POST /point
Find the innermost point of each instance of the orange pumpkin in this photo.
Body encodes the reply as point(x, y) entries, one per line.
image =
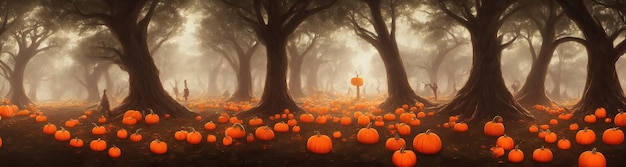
point(134, 114)
point(404, 158)
point(533, 128)
point(573, 126)
point(152, 118)
point(319, 144)
point(590, 118)
point(494, 128)
point(337, 134)
point(554, 122)
point(460, 127)
point(427, 143)
point(395, 143)
point(620, 118)
point(292, 122)
point(550, 137)
point(321, 119)
point(496, 151)
point(282, 127)
point(346, 121)
point(307, 118)
point(585, 136)
point(62, 135)
point(98, 145)
point(129, 121)
point(76, 143)
point(542, 155)
point(356, 81)
point(564, 144)
point(295, 129)
point(41, 118)
point(236, 131)
point(194, 137)
point(415, 122)
point(406, 117)
point(505, 142)
point(71, 123)
point(49, 129)
point(600, 113)
point(389, 117)
point(403, 129)
point(102, 119)
point(264, 133)
point(592, 158)
point(115, 152)
point(98, 130)
point(227, 140)
point(516, 155)
point(211, 138)
point(613, 136)
point(209, 125)
point(122, 134)
point(180, 135)
point(136, 137)
point(363, 120)
point(158, 147)
point(367, 135)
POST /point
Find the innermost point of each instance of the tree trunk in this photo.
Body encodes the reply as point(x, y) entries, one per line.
point(276, 95)
point(145, 88)
point(602, 87)
point(92, 80)
point(18, 94)
point(295, 79)
point(485, 95)
point(243, 92)
point(312, 77)
point(32, 91)
point(212, 84)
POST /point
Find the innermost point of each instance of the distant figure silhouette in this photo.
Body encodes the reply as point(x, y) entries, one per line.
point(185, 91)
point(104, 107)
point(226, 94)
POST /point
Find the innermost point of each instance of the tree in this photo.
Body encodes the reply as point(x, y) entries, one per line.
point(235, 42)
point(297, 48)
point(273, 22)
point(546, 16)
point(128, 21)
point(88, 59)
point(484, 95)
point(602, 87)
point(383, 38)
point(30, 39)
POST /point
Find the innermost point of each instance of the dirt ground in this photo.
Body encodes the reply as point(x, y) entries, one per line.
point(24, 144)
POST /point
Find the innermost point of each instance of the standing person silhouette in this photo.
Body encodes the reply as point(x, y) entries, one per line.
point(104, 107)
point(186, 91)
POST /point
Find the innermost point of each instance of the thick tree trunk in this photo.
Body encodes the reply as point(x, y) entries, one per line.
point(602, 88)
point(534, 91)
point(276, 95)
point(145, 88)
point(92, 80)
point(485, 95)
point(18, 94)
point(312, 84)
point(212, 83)
point(295, 79)
point(243, 92)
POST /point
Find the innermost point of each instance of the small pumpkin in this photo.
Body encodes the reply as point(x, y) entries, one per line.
point(136, 137)
point(590, 118)
point(403, 129)
point(460, 127)
point(158, 147)
point(122, 133)
point(250, 137)
point(209, 125)
point(363, 120)
point(550, 137)
point(181, 135)
point(516, 155)
point(620, 118)
point(115, 152)
point(404, 158)
point(134, 114)
point(427, 143)
point(292, 122)
point(345, 121)
point(98, 130)
point(613, 136)
point(406, 117)
point(600, 113)
point(76, 143)
point(591, 158)
point(554, 122)
point(227, 140)
point(496, 151)
point(281, 127)
point(41, 118)
point(71, 123)
point(237, 131)
point(194, 137)
point(49, 129)
point(505, 142)
point(295, 129)
point(337, 134)
point(395, 143)
point(321, 119)
point(152, 118)
point(306, 118)
point(319, 144)
point(129, 121)
point(494, 128)
point(542, 155)
point(210, 138)
point(389, 117)
point(102, 119)
point(98, 145)
point(62, 135)
point(585, 136)
point(264, 133)
point(573, 127)
point(367, 135)
point(564, 144)
point(533, 128)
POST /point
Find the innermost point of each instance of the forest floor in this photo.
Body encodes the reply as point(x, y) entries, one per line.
point(24, 144)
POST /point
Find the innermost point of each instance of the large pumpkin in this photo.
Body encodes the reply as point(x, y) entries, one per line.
point(620, 118)
point(158, 147)
point(404, 158)
point(319, 144)
point(494, 128)
point(542, 155)
point(395, 143)
point(264, 133)
point(427, 143)
point(613, 136)
point(585, 136)
point(194, 137)
point(236, 131)
point(367, 135)
point(133, 113)
point(591, 158)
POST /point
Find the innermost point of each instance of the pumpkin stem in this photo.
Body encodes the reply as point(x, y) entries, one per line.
point(496, 118)
point(516, 147)
point(594, 150)
point(94, 124)
point(192, 129)
point(317, 133)
point(402, 149)
point(151, 112)
point(242, 128)
point(137, 131)
point(542, 147)
point(586, 128)
point(427, 131)
point(369, 125)
point(62, 129)
point(397, 137)
point(620, 110)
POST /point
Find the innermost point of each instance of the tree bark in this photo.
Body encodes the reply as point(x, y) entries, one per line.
point(145, 88)
point(243, 92)
point(92, 80)
point(602, 87)
point(18, 94)
point(485, 95)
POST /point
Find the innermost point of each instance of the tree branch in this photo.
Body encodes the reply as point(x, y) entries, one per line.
point(100, 16)
point(459, 19)
point(143, 24)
